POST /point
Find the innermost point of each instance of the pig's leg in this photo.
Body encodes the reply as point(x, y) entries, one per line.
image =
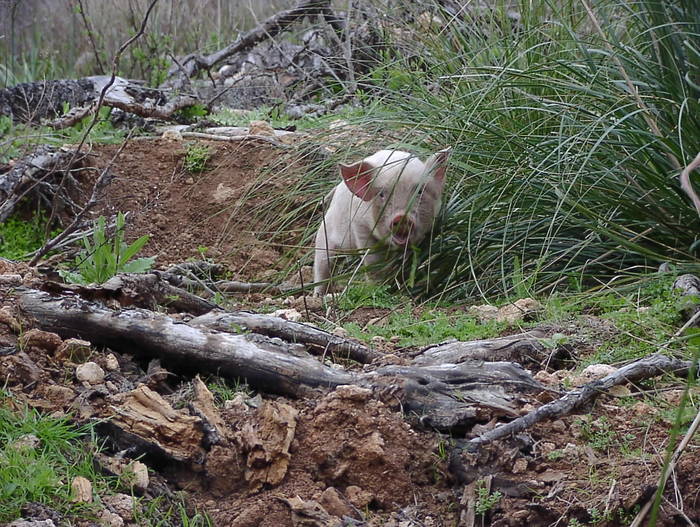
point(323, 261)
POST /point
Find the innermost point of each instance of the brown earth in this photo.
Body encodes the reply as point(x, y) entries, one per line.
point(348, 452)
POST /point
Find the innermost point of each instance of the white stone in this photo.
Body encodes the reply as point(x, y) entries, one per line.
point(90, 372)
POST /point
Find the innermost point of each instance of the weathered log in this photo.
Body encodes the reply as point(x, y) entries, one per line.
point(445, 396)
point(646, 368)
point(287, 330)
point(523, 348)
point(34, 175)
point(192, 64)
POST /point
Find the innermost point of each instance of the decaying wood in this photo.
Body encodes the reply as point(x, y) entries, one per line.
point(522, 348)
point(34, 175)
point(266, 442)
point(203, 407)
point(287, 330)
point(145, 414)
point(146, 290)
point(192, 64)
point(237, 138)
point(232, 286)
point(444, 396)
point(645, 368)
point(687, 186)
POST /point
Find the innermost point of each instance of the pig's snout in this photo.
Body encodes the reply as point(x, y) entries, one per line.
point(401, 227)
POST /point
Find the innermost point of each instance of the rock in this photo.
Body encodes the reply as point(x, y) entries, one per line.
point(358, 497)
point(81, 489)
point(620, 391)
point(520, 466)
point(597, 371)
point(522, 309)
point(547, 447)
point(90, 373)
point(111, 362)
point(141, 479)
point(484, 313)
point(75, 350)
point(43, 340)
point(373, 448)
point(547, 378)
point(336, 504)
point(559, 425)
point(31, 523)
point(8, 318)
point(641, 409)
point(26, 441)
point(110, 519)
point(261, 128)
point(224, 194)
point(10, 280)
point(189, 181)
point(288, 314)
point(378, 341)
point(571, 452)
point(121, 504)
point(172, 135)
point(340, 332)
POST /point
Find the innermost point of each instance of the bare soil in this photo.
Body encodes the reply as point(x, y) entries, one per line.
point(353, 454)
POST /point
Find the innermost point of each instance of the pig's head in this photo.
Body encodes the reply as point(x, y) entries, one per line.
point(404, 193)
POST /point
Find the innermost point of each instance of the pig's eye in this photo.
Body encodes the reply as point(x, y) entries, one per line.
point(382, 195)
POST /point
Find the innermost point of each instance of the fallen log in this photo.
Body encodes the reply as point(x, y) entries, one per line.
point(689, 285)
point(445, 396)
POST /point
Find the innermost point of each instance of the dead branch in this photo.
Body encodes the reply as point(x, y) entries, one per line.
point(685, 182)
point(232, 286)
point(192, 64)
point(646, 368)
point(289, 331)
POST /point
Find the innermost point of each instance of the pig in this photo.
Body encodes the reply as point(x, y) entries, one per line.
point(386, 202)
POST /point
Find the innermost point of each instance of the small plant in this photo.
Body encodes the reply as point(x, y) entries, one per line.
point(196, 157)
point(599, 434)
point(485, 501)
point(555, 454)
point(104, 258)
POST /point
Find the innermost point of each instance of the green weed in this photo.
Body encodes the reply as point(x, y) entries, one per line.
point(486, 501)
point(104, 258)
point(196, 157)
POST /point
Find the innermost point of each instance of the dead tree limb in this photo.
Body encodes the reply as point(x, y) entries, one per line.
point(646, 368)
point(289, 331)
point(193, 64)
point(443, 396)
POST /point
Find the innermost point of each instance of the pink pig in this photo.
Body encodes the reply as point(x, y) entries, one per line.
point(386, 201)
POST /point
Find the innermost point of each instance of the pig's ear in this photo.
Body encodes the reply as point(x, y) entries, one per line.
point(358, 178)
point(437, 164)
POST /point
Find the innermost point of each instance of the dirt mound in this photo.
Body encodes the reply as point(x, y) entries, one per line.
point(194, 214)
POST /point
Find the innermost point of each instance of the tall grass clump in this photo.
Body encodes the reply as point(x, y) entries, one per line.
point(570, 127)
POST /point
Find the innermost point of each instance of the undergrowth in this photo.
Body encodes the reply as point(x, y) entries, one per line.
point(19, 238)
